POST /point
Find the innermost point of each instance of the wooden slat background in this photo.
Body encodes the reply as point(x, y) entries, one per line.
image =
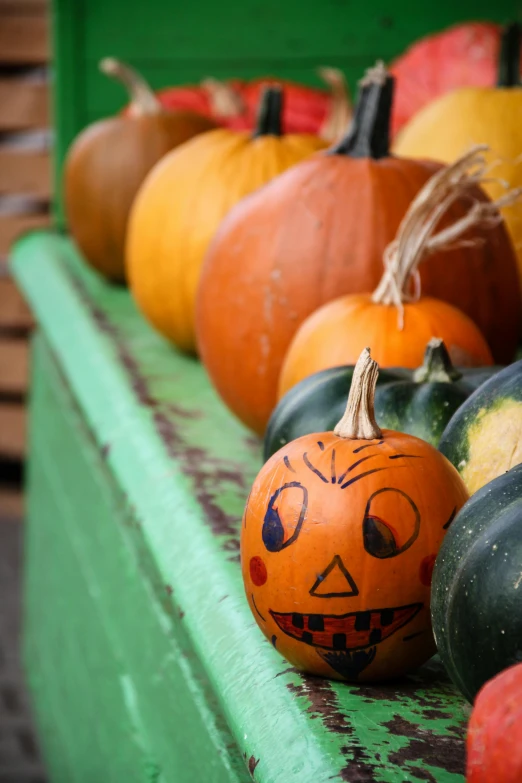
point(25, 172)
point(14, 313)
point(23, 104)
point(25, 193)
point(12, 430)
point(13, 365)
point(23, 38)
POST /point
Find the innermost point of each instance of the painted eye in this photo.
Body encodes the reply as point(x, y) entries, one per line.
point(284, 516)
point(385, 538)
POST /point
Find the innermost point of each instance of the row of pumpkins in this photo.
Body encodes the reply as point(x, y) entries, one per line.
point(281, 244)
point(233, 239)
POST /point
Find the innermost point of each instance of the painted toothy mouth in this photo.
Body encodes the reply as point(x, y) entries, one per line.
point(352, 631)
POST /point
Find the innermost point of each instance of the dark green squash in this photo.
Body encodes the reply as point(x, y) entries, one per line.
point(476, 592)
point(423, 404)
point(315, 404)
point(419, 402)
point(483, 439)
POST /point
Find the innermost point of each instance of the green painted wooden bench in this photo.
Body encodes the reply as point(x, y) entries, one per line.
point(143, 659)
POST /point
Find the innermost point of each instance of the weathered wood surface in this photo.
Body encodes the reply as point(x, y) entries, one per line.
point(139, 478)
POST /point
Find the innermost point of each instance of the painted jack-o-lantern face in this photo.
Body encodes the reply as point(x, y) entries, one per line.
point(338, 543)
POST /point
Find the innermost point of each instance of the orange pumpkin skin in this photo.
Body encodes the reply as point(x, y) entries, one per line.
point(328, 221)
point(338, 542)
point(337, 332)
point(179, 208)
point(319, 231)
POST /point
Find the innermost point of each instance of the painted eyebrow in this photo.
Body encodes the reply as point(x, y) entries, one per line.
point(367, 446)
point(313, 469)
point(358, 462)
point(411, 456)
point(360, 476)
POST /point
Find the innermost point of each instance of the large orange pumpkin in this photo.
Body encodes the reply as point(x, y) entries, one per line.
point(182, 202)
point(338, 542)
point(397, 325)
point(108, 162)
point(319, 231)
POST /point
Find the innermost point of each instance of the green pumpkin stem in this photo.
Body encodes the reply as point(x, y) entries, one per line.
point(437, 365)
point(143, 100)
point(358, 421)
point(270, 113)
point(509, 59)
point(369, 133)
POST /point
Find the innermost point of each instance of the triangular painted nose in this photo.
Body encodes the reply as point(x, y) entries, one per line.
point(335, 581)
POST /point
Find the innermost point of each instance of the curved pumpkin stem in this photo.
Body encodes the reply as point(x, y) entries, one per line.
point(143, 100)
point(437, 365)
point(509, 58)
point(359, 417)
point(416, 237)
point(224, 100)
point(341, 109)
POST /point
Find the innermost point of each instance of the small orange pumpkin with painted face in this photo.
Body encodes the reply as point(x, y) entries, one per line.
point(339, 539)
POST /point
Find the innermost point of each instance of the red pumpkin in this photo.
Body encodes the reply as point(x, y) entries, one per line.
point(233, 104)
point(306, 110)
point(461, 56)
point(494, 741)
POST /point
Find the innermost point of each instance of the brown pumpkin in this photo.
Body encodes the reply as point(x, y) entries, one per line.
point(397, 324)
point(184, 199)
point(338, 542)
point(320, 232)
point(107, 163)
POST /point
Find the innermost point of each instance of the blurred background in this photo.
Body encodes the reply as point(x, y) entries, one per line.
point(25, 192)
point(25, 188)
point(170, 43)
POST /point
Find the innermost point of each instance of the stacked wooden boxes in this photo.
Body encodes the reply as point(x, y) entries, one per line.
point(25, 187)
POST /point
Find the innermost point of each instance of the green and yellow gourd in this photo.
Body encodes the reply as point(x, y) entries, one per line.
point(418, 402)
point(476, 592)
point(483, 438)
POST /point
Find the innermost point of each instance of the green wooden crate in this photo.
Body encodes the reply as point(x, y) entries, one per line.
point(175, 43)
point(143, 659)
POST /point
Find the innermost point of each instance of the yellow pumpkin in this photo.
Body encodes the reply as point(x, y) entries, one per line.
point(184, 199)
point(448, 126)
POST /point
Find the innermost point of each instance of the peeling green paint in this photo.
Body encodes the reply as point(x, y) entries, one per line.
point(144, 493)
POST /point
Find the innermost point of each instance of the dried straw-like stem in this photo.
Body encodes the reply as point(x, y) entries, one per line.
point(143, 100)
point(224, 100)
point(416, 238)
point(341, 109)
